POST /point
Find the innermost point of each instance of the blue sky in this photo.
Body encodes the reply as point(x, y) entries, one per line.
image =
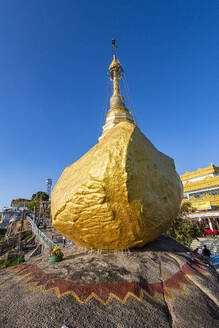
point(53, 63)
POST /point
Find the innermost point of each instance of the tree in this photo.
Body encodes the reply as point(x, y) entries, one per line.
point(185, 230)
point(40, 204)
point(32, 204)
point(40, 196)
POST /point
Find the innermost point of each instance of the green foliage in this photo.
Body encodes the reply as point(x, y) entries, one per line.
point(31, 205)
point(183, 229)
point(40, 196)
point(11, 261)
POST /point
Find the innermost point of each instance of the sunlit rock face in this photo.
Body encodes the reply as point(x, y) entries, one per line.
point(122, 193)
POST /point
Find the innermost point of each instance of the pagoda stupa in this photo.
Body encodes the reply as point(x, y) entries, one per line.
point(118, 112)
point(123, 192)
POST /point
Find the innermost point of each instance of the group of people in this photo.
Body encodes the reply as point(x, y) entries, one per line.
point(205, 251)
point(53, 233)
point(41, 222)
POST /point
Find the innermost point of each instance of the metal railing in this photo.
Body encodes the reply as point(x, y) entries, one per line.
point(44, 239)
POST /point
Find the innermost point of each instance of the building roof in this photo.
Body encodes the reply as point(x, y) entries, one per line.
point(200, 172)
point(208, 182)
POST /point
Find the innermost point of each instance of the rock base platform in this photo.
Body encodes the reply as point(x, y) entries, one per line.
point(160, 285)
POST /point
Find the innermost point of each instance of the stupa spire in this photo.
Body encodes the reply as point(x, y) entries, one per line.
point(115, 73)
point(114, 47)
point(118, 112)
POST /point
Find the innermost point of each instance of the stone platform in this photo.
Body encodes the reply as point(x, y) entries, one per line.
point(159, 285)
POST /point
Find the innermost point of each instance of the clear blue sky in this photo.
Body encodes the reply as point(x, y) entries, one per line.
point(53, 62)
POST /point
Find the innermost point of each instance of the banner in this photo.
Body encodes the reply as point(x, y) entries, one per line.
point(201, 206)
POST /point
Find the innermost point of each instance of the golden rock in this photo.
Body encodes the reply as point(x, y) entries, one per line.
point(122, 193)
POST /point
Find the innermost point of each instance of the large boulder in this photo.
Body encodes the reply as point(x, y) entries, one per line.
point(122, 193)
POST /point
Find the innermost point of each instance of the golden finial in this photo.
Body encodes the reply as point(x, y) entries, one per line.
point(115, 73)
point(115, 65)
point(114, 47)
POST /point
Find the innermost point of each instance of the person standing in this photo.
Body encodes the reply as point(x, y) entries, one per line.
point(53, 234)
point(206, 252)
